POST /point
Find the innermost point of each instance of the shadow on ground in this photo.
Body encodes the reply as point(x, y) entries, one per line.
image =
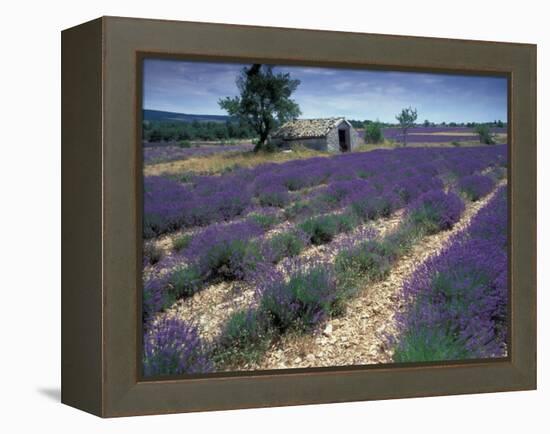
point(53, 393)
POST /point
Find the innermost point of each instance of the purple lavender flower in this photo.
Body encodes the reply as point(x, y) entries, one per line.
point(436, 210)
point(457, 300)
point(338, 191)
point(475, 187)
point(308, 297)
point(170, 205)
point(284, 245)
point(173, 347)
point(155, 296)
point(274, 195)
point(224, 251)
point(165, 202)
point(411, 187)
point(370, 204)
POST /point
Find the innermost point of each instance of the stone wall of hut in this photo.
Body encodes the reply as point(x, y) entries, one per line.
point(352, 137)
point(330, 142)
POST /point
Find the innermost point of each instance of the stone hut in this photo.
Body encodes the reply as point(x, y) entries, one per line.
point(330, 134)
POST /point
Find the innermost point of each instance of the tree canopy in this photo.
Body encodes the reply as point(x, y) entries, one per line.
point(406, 120)
point(373, 132)
point(264, 101)
point(485, 134)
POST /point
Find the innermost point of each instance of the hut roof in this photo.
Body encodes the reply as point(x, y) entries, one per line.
point(306, 128)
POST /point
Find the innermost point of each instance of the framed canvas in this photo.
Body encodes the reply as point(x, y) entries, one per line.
point(259, 216)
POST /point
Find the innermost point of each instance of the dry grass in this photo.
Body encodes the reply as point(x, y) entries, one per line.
point(222, 162)
point(219, 163)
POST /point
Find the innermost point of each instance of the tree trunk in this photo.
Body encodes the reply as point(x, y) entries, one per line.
point(264, 133)
point(261, 145)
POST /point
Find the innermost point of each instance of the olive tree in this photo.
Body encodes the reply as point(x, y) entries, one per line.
point(264, 101)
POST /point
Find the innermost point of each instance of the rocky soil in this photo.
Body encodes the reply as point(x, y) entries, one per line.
point(358, 337)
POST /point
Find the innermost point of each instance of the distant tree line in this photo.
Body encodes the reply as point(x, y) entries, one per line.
point(364, 124)
point(167, 131)
point(175, 131)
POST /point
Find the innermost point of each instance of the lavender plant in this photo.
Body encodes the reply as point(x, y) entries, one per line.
point(184, 281)
point(308, 297)
point(155, 296)
point(474, 187)
point(172, 347)
point(435, 211)
point(373, 206)
point(457, 300)
point(274, 196)
point(286, 244)
point(322, 229)
point(169, 205)
point(243, 339)
point(225, 251)
point(265, 220)
point(181, 242)
point(411, 187)
point(151, 253)
point(367, 261)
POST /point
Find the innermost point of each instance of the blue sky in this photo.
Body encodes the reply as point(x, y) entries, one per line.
point(196, 87)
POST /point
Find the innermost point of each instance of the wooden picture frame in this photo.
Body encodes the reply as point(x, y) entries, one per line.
point(101, 226)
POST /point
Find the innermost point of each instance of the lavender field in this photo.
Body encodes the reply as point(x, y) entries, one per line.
point(153, 154)
point(440, 135)
point(392, 255)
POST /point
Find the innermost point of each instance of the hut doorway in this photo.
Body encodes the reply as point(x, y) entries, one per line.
point(342, 140)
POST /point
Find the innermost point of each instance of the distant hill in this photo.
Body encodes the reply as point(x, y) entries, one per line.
point(158, 115)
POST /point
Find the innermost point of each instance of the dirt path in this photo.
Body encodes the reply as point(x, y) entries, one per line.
point(356, 338)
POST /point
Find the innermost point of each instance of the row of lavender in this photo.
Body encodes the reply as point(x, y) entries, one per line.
point(239, 250)
point(299, 299)
point(311, 294)
point(457, 301)
point(236, 250)
point(171, 205)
